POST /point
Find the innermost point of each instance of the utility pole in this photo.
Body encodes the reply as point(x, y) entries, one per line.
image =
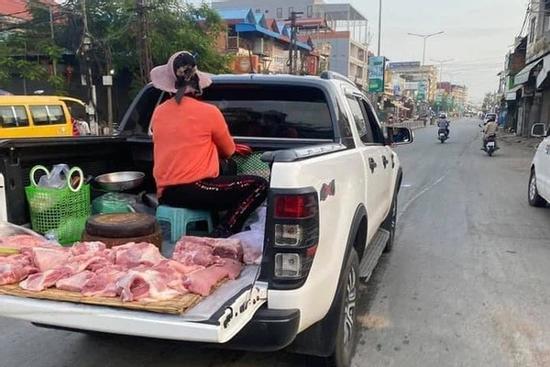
point(54, 61)
point(379, 26)
point(425, 38)
point(144, 43)
point(441, 62)
point(86, 48)
point(293, 50)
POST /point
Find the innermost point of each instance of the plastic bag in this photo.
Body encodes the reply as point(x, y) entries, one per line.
point(8, 229)
point(253, 240)
point(56, 179)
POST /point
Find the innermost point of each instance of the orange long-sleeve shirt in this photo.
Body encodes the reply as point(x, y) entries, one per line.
point(188, 140)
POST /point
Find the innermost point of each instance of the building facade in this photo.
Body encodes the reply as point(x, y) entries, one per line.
point(344, 35)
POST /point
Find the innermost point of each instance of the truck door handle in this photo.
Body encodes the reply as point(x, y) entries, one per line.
point(372, 165)
point(385, 161)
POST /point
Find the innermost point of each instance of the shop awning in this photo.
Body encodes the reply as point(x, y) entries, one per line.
point(544, 72)
point(523, 76)
point(512, 94)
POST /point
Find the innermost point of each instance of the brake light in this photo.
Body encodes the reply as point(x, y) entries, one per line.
point(294, 206)
point(293, 237)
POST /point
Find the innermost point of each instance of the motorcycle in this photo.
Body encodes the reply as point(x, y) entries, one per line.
point(490, 145)
point(442, 135)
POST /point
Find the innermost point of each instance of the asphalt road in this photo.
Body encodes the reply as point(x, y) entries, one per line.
point(467, 284)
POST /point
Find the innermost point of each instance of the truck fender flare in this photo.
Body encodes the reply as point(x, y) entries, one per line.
point(319, 339)
point(398, 180)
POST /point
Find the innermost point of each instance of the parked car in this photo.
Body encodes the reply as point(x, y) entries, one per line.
point(539, 179)
point(334, 178)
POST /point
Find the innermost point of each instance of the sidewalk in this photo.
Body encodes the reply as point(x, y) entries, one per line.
point(530, 144)
point(412, 124)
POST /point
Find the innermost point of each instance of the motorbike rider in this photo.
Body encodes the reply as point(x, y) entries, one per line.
point(443, 123)
point(490, 130)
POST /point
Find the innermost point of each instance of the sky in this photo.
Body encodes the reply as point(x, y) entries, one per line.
point(478, 34)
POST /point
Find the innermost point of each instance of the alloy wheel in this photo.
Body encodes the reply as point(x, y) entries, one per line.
point(349, 307)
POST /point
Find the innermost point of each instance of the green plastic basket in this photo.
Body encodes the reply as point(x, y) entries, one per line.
point(252, 165)
point(60, 212)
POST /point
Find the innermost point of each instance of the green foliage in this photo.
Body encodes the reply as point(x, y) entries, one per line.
point(114, 26)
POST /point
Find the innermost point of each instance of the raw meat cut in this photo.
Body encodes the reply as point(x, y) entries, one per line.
point(15, 268)
point(103, 284)
point(228, 248)
point(134, 254)
point(40, 281)
point(76, 282)
point(23, 241)
point(48, 258)
point(206, 251)
point(146, 285)
point(91, 248)
point(194, 251)
point(202, 281)
point(174, 273)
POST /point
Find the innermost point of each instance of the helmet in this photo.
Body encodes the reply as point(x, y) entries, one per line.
point(442, 116)
point(491, 118)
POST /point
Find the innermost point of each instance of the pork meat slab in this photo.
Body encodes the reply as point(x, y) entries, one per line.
point(145, 285)
point(48, 258)
point(75, 283)
point(39, 281)
point(134, 254)
point(202, 281)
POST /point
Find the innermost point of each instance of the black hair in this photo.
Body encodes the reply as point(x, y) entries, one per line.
point(185, 69)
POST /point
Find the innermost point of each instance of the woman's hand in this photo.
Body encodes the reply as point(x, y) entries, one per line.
point(242, 149)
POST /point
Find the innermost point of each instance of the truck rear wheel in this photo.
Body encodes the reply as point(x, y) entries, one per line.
point(346, 328)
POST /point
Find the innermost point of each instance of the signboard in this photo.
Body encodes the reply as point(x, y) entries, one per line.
point(376, 74)
point(422, 89)
point(411, 85)
point(405, 65)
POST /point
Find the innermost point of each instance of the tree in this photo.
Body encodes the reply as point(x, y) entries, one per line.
point(27, 49)
point(117, 28)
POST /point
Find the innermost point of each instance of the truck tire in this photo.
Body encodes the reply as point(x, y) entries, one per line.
point(121, 225)
point(533, 193)
point(346, 323)
point(390, 223)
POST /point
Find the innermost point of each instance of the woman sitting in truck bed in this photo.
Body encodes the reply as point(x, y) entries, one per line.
point(189, 138)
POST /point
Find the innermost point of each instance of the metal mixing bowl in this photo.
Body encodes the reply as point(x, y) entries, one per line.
point(120, 181)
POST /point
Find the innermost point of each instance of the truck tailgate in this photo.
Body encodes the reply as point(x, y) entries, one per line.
point(220, 328)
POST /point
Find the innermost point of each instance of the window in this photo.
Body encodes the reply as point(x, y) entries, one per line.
point(309, 11)
point(279, 13)
point(377, 133)
point(271, 111)
point(290, 11)
point(532, 29)
point(48, 115)
point(13, 116)
point(361, 120)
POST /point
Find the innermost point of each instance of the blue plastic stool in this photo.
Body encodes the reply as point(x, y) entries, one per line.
point(179, 220)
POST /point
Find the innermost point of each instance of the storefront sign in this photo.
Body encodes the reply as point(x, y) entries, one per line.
point(376, 74)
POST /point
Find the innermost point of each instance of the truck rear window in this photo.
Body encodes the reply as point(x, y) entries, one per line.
point(273, 111)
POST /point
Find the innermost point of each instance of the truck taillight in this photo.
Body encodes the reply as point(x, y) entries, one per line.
point(292, 237)
point(295, 206)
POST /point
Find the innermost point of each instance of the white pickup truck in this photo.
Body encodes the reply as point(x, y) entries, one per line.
point(331, 212)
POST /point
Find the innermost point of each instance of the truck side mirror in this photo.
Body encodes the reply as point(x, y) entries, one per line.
point(400, 135)
point(538, 130)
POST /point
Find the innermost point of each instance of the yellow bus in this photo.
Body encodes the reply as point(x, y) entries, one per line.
point(36, 116)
